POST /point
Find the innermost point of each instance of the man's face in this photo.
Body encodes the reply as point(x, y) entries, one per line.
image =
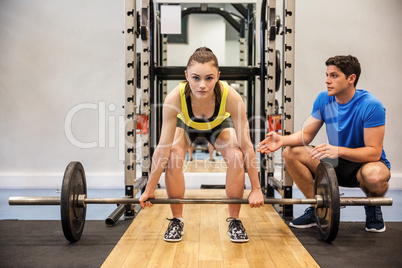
point(336, 81)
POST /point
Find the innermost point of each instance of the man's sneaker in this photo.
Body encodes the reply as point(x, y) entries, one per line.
point(236, 231)
point(174, 230)
point(306, 220)
point(374, 220)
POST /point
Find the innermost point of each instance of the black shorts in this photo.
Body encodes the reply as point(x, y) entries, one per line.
point(211, 135)
point(346, 171)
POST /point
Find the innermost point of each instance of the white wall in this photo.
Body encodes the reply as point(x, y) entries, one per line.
point(369, 30)
point(57, 55)
point(203, 30)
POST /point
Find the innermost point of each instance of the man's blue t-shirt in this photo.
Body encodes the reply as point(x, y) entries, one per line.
point(345, 123)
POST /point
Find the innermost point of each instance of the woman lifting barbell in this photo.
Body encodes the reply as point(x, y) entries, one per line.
point(203, 106)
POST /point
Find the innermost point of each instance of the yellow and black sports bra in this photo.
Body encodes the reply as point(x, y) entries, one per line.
point(190, 120)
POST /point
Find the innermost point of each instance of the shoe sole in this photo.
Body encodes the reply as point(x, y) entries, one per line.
point(172, 240)
point(239, 241)
point(373, 230)
point(303, 226)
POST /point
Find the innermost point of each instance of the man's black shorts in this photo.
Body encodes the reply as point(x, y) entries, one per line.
point(346, 171)
point(210, 135)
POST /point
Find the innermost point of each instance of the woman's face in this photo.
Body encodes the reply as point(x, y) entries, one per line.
point(202, 78)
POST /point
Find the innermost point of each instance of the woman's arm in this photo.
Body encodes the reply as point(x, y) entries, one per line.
point(235, 106)
point(171, 108)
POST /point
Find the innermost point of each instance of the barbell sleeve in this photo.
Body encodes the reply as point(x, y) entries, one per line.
point(33, 200)
point(366, 201)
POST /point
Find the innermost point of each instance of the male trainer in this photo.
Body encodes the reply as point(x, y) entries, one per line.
point(355, 125)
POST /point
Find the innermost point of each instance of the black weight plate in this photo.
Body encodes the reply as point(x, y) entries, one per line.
point(328, 216)
point(73, 216)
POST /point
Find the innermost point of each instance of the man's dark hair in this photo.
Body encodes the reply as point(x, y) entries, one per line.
point(347, 64)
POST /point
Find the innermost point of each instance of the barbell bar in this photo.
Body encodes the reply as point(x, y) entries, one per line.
point(318, 201)
point(74, 199)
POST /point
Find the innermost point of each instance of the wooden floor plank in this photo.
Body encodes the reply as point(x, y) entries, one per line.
point(233, 253)
point(210, 246)
point(145, 244)
point(188, 249)
point(210, 264)
point(163, 254)
point(132, 242)
point(186, 254)
point(140, 253)
point(205, 242)
point(257, 253)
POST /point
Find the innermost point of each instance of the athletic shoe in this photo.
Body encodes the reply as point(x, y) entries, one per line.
point(236, 231)
point(306, 220)
point(174, 230)
point(374, 220)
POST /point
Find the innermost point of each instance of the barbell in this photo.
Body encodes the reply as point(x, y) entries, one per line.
point(74, 199)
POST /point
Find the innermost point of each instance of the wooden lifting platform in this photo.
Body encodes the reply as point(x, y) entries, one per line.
point(205, 241)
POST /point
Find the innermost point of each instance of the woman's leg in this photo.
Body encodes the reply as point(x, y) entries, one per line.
point(227, 145)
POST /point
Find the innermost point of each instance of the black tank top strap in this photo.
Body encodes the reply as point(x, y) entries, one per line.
point(201, 120)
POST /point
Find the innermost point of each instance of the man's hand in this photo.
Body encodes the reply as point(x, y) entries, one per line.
point(272, 142)
point(143, 199)
point(324, 151)
point(256, 198)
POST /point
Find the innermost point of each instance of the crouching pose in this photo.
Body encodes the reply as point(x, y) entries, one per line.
point(355, 126)
point(203, 106)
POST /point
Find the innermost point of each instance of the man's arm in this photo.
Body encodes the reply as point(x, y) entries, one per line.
point(371, 152)
point(306, 135)
point(274, 141)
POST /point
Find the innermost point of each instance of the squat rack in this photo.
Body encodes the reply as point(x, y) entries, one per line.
point(285, 86)
point(146, 74)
